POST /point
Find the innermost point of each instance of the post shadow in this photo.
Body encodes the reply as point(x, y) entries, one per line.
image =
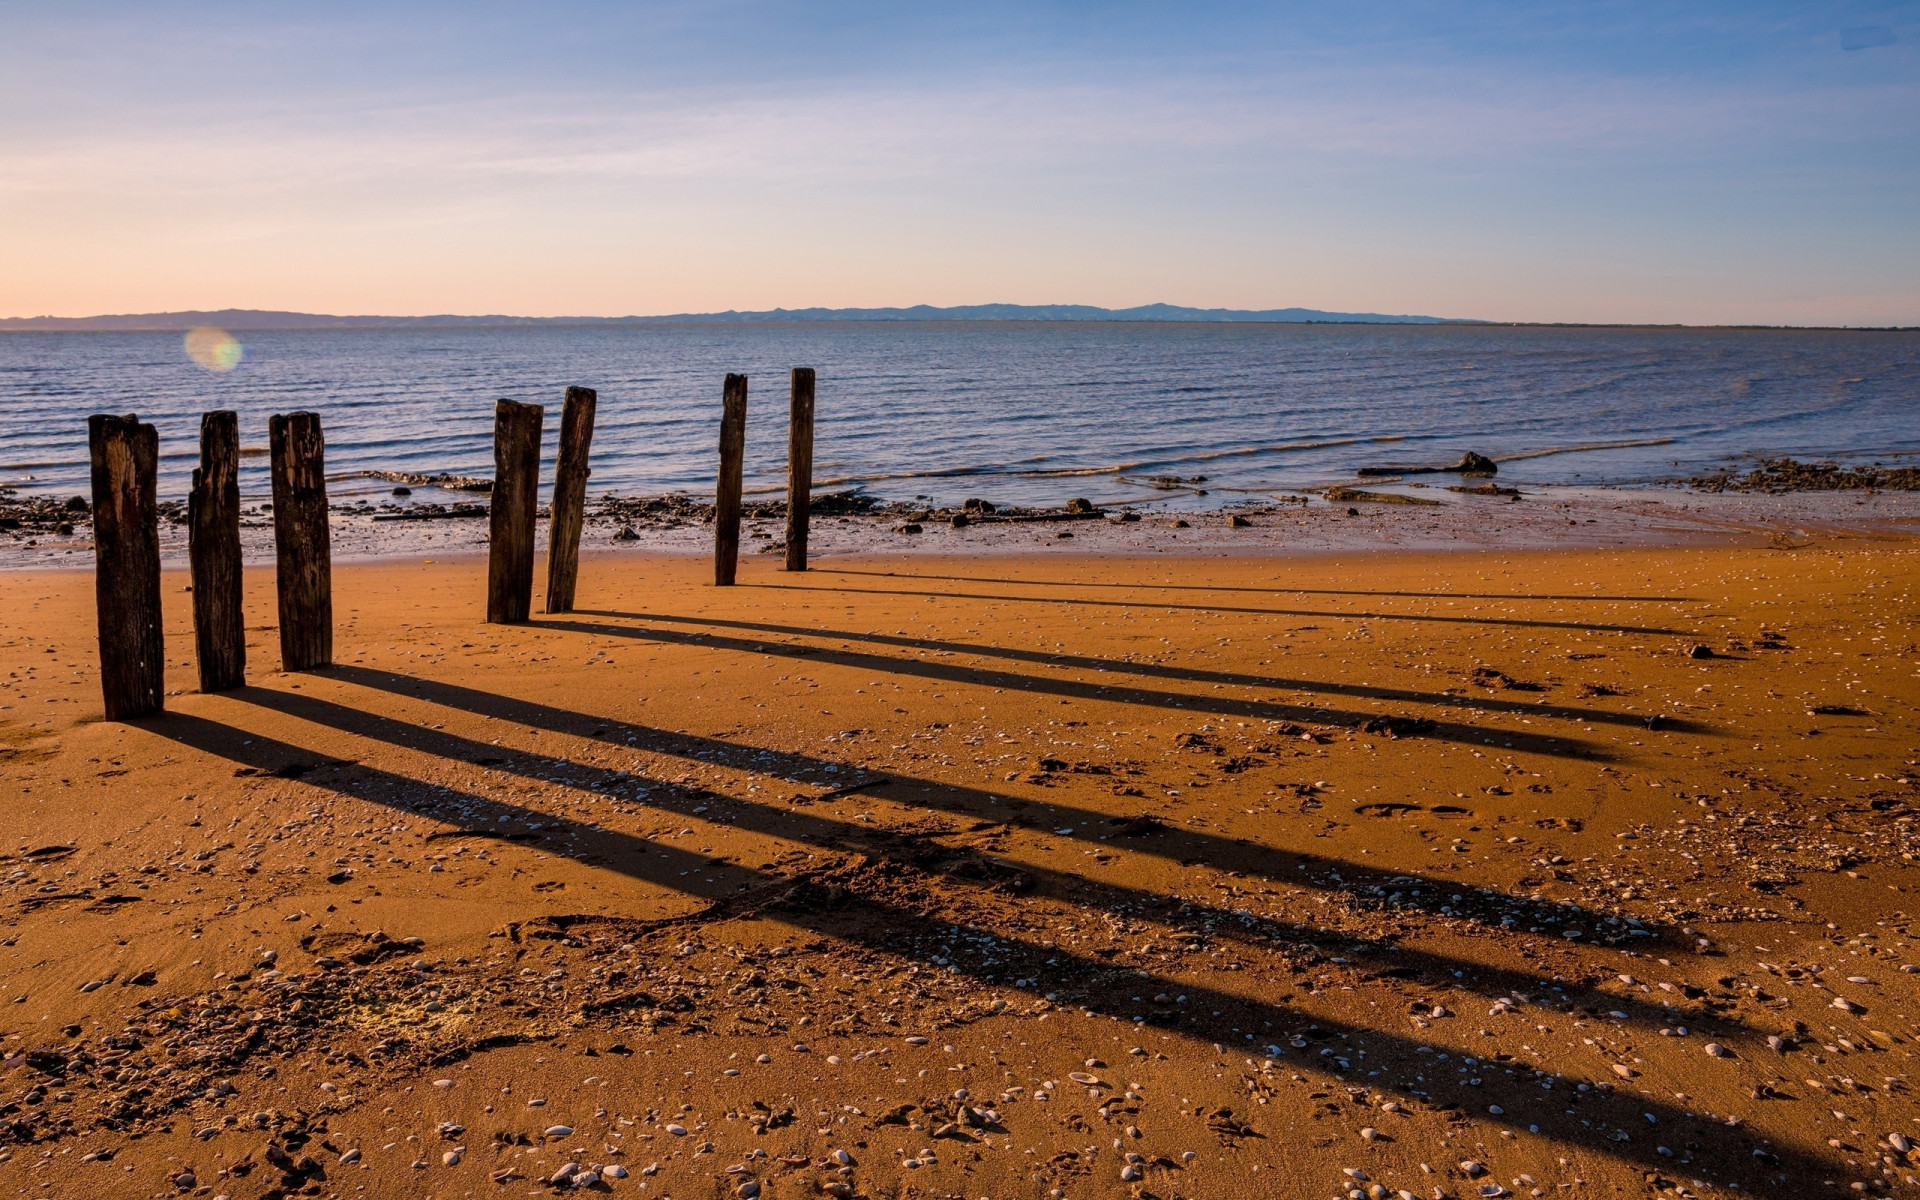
point(830, 832)
point(879, 926)
point(1185, 845)
point(1319, 614)
point(1597, 716)
point(1565, 746)
point(1272, 591)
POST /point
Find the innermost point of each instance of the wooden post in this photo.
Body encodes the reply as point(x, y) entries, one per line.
point(569, 498)
point(303, 549)
point(799, 467)
point(516, 499)
point(126, 556)
point(726, 492)
point(213, 552)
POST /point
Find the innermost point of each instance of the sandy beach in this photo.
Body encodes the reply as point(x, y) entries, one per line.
point(1129, 871)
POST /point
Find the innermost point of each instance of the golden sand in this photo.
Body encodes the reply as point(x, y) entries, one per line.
point(1005, 877)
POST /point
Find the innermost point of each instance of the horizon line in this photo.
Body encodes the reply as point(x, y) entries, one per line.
point(268, 320)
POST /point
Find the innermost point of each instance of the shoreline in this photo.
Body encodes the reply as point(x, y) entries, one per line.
point(1432, 519)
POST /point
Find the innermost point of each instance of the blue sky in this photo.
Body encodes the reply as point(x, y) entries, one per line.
point(1674, 162)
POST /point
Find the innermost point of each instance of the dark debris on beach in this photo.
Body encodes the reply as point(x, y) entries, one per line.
point(1776, 475)
point(42, 514)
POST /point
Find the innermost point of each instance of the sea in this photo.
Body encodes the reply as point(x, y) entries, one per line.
point(1182, 415)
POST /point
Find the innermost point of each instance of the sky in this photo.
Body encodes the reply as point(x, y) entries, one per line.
point(1727, 162)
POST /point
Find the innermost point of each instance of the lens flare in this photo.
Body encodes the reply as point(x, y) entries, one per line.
point(214, 349)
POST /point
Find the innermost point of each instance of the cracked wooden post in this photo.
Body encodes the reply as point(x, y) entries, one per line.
point(126, 575)
point(303, 554)
point(569, 498)
point(213, 555)
point(516, 500)
point(799, 467)
point(726, 492)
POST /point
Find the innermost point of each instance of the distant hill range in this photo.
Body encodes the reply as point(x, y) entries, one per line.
point(251, 318)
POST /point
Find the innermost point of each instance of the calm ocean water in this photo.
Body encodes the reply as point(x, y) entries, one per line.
point(1015, 412)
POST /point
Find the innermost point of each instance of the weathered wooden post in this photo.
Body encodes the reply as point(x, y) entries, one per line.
point(799, 467)
point(726, 492)
point(303, 549)
point(126, 574)
point(213, 553)
point(569, 498)
point(516, 499)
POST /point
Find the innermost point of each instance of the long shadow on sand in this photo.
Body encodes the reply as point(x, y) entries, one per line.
point(1086, 826)
point(1597, 1120)
point(1317, 614)
point(1266, 591)
point(816, 830)
point(1255, 710)
point(1595, 716)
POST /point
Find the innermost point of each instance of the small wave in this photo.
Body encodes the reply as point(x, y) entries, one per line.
point(1578, 449)
point(1013, 471)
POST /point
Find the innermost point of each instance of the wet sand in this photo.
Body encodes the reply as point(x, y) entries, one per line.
point(1538, 519)
point(1021, 875)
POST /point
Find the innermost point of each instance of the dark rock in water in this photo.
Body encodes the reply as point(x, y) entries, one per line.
point(1347, 493)
point(626, 534)
point(64, 529)
point(1236, 521)
point(1469, 464)
point(909, 527)
point(1080, 505)
point(977, 505)
point(960, 520)
point(403, 491)
point(1486, 489)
